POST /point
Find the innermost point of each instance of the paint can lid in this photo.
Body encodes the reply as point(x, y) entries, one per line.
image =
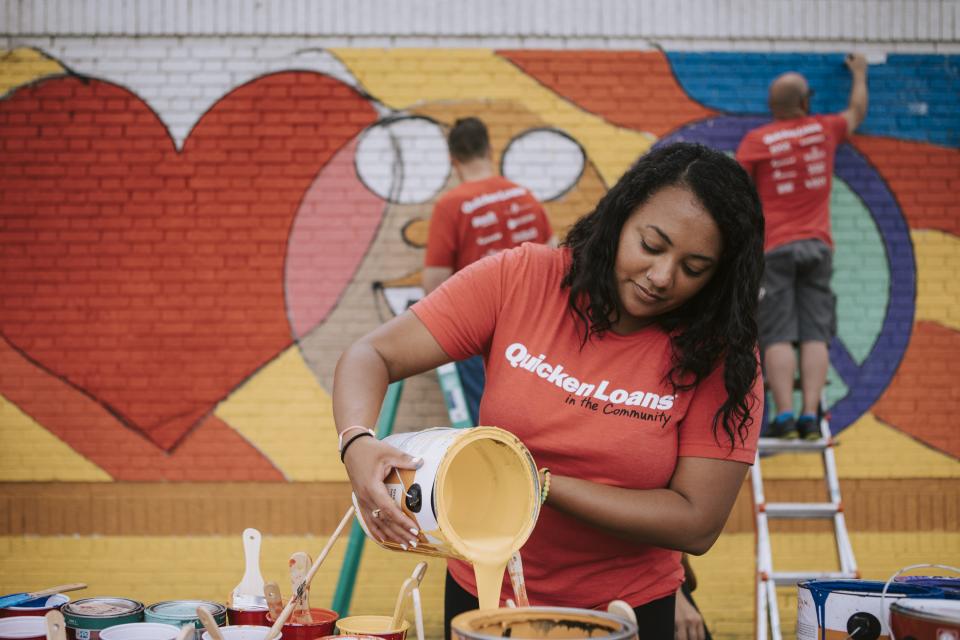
point(183, 610)
point(104, 607)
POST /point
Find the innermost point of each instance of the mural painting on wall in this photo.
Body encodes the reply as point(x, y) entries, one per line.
point(157, 270)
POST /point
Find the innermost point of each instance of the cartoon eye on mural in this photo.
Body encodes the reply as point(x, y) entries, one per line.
point(547, 161)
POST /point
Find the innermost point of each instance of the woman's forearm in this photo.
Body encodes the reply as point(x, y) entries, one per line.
point(359, 385)
point(687, 516)
point(659, 517)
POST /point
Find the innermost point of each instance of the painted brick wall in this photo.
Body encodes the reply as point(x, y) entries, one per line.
point(191, 227)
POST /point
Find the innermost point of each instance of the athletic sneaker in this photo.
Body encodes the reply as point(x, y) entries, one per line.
point(786, 429)
point(808, 428)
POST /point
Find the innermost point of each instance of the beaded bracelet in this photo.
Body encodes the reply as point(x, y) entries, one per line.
point(545, 490)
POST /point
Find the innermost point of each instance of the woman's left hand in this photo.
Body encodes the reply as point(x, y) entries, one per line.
point(687, 621)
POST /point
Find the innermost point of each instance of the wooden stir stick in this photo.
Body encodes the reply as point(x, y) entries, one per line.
point(186, 631)
point(287, 610)
point(515, 569)
point(299, 566)
point(56, 629)
point(209, 623)
point(398, 610)
point(271, 591)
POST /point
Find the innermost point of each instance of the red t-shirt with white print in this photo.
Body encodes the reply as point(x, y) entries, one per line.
point(480, 218)
point(603, 414)
point(791, 162)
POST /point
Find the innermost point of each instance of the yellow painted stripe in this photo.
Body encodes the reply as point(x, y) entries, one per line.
point(867, 449)
point(285, 413)
point(406, 78)
point(22, 65)
point(151, 569)
point(938, 288)
point(30, 453)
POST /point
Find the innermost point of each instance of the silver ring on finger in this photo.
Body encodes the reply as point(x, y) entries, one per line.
point(376, 514)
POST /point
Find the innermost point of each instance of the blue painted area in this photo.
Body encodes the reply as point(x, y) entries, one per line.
point(868, 379)
point(912, 97)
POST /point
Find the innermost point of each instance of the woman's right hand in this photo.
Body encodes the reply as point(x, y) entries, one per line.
point(369, 462)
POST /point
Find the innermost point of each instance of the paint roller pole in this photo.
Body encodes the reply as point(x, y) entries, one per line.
point(351, 559)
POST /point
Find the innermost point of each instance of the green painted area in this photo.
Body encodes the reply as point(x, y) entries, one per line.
point(861, 273)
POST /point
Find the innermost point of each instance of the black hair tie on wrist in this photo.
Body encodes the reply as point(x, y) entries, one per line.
point(352, 440)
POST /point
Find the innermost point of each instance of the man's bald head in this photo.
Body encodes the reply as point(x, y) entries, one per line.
point(788, 95)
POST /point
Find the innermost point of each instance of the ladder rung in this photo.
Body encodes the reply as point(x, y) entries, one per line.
point(781, 578)
point(772, 445)
point(800, 509)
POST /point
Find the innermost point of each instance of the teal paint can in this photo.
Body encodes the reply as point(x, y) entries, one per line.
point(86, 618)
point(181, 612)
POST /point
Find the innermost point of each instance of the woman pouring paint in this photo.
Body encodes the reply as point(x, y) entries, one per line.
point(625, 361)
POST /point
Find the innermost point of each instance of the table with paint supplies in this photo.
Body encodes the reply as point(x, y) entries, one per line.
point(476, 497)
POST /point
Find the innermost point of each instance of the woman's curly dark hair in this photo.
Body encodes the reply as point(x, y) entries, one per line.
point(719, 322)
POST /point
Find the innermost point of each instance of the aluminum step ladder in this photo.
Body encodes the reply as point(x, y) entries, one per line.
point(768, 613)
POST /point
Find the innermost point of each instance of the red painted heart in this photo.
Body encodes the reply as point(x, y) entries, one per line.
point(151, 279)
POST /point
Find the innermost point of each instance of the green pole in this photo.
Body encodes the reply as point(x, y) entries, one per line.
point(351, 559)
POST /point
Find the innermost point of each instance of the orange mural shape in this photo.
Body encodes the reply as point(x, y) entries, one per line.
point(211, 451)
point(923, 399)
point(632, 89)
point(923, 177)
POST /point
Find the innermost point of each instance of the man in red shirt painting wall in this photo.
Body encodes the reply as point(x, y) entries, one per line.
point(791, 162)
point(482, 216)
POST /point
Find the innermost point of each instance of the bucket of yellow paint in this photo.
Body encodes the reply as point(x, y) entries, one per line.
point(477, 489)
point(533, 623)
point(376, 626)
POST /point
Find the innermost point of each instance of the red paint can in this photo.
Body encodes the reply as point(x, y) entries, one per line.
point(23, 628)
point(322, 625)
point(256, 616)
point(37, 607)
point(926, 619)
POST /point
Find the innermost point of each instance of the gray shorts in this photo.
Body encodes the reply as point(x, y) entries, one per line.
point(796, 303)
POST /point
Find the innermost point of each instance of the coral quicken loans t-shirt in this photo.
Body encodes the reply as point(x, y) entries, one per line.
point(603, 413)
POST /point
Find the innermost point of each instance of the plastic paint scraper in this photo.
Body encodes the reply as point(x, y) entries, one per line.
point(16, 599)
point(249, 593)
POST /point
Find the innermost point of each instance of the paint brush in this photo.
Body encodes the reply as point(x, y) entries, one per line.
point(56, 629)
point(287, 610)
point(16, 599)
point(299, 566)
point(515, 569)
point(398, 609)
point(209, 623)
point(271, 592)
point(248, 593)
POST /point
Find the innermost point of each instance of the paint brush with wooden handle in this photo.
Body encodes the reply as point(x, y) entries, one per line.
point(56, 628)
point(16, 599)
point(209, 623)
point(515, 569)
point(300, 563)
point(271, 592)
point(287, 610)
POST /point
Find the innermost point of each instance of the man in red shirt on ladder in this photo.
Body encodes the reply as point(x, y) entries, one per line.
point(791, 161)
